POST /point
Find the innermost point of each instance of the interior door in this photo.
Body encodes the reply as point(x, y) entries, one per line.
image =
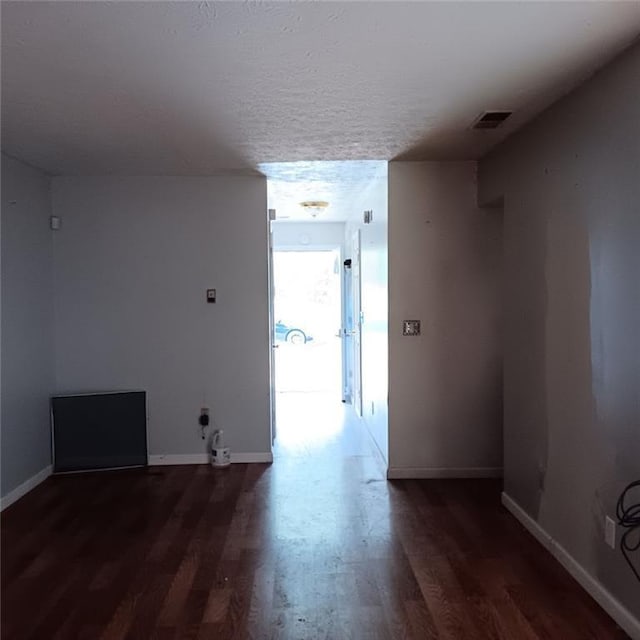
point(347, 332)
point(357, 322)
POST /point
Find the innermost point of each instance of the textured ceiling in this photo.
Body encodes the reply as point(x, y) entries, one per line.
point(201, 87)
point(348, 186)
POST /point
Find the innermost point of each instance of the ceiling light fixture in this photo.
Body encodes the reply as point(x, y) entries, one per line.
point(314, 207)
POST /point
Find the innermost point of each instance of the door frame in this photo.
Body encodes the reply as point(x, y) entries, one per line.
point(358, 317)
point(272, 326)
point(296, 248)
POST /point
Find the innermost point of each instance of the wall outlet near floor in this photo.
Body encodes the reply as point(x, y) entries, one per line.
point(203, 420)
point(610, 532)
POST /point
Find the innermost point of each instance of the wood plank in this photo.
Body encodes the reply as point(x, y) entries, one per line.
point(304, 548)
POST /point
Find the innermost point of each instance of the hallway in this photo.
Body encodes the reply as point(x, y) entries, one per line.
point(329, 432)
point(317, 545)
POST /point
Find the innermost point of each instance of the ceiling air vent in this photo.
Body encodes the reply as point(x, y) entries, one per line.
point(491, 119)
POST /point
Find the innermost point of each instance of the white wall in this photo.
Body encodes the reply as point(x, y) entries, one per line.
point(444, 269)
point(301, 235)
point(27, 323)
point(132, 262)
point(571, 187)
point(374, 306)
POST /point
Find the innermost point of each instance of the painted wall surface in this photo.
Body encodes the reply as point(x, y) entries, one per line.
point(445, 386)
point(132, 263)
point(374, 275)
point(571, 188)
point(300, 235)
point(27, 323)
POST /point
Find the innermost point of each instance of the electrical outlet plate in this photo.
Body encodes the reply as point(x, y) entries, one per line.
point(610, 532)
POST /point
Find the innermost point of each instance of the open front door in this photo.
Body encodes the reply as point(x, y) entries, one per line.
point(357, 322)
point(352, 327)
point(347, 332)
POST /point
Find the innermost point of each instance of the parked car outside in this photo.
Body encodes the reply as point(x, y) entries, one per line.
point(292, 335)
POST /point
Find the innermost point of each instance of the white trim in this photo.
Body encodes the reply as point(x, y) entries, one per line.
point(377, 453)
point(24, 488)
point(266, 457)
point(320, 247)
point(595, 589)
point(409, 473)
point(203, 458)
point(194, 458)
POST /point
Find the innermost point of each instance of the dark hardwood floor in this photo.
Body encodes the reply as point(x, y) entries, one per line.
point(313, 546)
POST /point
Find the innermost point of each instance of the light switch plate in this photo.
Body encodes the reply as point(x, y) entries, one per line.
point(411, 327)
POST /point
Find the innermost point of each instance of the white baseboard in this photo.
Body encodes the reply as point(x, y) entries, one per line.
point(378, 455)
point(24, 488)
point(266, 457)
point(623, 617)
point(203, 458)
point(195, 458)
point(411, 473)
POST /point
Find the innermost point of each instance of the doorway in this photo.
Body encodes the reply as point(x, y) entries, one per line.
point(307, 312)
point(329, 407)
